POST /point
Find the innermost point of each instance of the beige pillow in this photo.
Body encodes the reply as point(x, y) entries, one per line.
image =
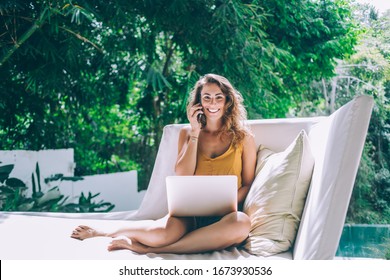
point(276, 199)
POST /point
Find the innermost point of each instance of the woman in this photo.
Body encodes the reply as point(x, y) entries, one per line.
point(216, 142)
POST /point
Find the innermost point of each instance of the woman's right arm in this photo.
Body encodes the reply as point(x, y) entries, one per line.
point(187, 153)
point(188, 143)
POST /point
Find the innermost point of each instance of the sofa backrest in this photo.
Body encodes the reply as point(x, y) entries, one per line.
point(337, 143)
point(277, 134)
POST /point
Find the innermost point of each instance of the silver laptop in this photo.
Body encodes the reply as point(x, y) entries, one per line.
point(201, 195)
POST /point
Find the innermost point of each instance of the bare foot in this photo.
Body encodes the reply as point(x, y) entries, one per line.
point(84, 232)
point(120, 244)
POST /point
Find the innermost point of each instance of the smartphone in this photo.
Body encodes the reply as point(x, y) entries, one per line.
point(201, 117)
point(202, 120)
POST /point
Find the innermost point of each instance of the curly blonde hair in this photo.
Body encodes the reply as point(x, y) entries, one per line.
point(235, 112)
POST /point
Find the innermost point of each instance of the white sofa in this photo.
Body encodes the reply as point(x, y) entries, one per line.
point(336, 141)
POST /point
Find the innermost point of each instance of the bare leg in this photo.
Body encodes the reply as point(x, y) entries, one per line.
point(162, 232)
point(83, 232)
point(230, 230)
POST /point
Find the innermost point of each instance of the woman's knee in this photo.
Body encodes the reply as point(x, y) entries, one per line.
point(240, 225)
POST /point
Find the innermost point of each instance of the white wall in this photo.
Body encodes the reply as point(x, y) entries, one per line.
point(118, 188)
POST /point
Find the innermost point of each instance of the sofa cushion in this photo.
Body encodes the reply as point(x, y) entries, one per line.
point(276, 198)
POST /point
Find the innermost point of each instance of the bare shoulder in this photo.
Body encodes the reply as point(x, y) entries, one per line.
point(249, 141)
point(184, 135)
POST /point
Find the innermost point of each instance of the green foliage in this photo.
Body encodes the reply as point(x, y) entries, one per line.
point(316, 34)
point(13, 195)
point(367, 72)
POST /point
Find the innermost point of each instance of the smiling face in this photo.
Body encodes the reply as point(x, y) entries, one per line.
point(213, 101)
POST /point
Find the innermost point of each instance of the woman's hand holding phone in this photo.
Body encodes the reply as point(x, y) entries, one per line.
point(194, 118)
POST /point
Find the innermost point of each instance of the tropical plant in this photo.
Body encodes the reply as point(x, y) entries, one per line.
point(87, 204)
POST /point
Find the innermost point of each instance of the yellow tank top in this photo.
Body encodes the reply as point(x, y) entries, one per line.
point(229, 163)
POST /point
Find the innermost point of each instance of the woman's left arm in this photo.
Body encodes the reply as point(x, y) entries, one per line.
point(248, 167)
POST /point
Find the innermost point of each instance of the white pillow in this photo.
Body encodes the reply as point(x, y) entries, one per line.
point(276, 199)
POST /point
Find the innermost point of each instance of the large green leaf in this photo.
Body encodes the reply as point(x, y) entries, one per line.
point(5, 170)
point(15, 183)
